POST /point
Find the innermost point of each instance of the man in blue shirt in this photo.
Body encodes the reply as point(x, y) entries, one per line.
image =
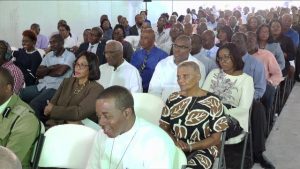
point(146, 59)
point(288, 31)
point(255, 69)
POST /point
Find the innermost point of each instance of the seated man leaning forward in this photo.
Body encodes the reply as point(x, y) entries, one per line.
point(127, 141)
point(19, 128)
point(55, 66)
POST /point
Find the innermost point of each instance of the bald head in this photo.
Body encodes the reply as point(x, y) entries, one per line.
point(8, 159)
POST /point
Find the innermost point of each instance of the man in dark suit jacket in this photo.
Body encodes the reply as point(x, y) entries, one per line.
point(95, 45)
point(135, 29)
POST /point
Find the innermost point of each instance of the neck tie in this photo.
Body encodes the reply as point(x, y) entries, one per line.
point(91, 47)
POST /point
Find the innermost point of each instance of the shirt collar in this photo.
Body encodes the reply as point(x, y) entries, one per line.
point(4, 105)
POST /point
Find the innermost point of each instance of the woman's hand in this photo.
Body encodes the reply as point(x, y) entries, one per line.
point(48, 108)
point(184, 146)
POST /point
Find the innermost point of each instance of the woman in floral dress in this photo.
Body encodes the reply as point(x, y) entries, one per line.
point(194, 118)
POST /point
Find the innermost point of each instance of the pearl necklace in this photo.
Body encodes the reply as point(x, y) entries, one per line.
point(123, 153)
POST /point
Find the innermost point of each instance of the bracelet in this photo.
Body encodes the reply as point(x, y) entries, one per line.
point(190, 147)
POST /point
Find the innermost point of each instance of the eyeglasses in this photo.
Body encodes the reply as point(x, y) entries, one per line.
point(180, 47)
point(225, 58)
point(80, 66)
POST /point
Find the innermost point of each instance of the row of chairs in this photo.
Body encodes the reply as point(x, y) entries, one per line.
point(69, 145)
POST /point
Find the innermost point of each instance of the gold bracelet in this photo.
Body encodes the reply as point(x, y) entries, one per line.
point(190, 147)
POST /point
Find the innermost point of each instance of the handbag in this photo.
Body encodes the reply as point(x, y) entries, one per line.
point(234, 128)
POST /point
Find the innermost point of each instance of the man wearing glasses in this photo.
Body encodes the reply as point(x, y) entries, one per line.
point(146, 59)
point(164, 79)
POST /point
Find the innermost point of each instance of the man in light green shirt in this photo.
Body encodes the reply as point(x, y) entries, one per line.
point(19, 128)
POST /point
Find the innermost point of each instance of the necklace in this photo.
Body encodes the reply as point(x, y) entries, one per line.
point(80, 87)
point(123, 153)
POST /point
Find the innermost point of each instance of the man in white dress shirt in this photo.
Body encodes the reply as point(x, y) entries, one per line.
point(164, 79)
point(125, 140)
point(117, 71)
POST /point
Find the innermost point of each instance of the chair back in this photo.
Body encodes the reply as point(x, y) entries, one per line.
point(89, 123)
point(180, 159)
point(148, 106)
point(67, 146)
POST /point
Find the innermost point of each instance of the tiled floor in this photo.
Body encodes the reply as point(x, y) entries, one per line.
point(283, 144)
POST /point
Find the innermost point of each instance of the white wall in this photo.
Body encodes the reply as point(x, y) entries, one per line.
point(17, 16)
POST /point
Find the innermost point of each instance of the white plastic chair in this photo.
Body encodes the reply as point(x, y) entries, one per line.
point(89, 123)
point(180, 159)
point(67, 146)
point(148, 106)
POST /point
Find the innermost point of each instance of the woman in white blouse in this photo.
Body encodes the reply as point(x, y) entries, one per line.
point(233, 86)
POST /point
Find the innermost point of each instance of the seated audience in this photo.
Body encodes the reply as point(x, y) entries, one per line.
point(201, 27)
point(125, 140)
point(224, 35)
point(75, 99)
point(188, 29)
point(42, 41)
point(55, 66)
point(272, 70)
point(107, 30)
point(234, 88)
point(65, 32)
point(175, 31)
point(117, 71)
point(164, 81)
point(255, 69)
point(124, 23)
point(265, 41)
point(197, 137)
point(136, 29)
point(287, 29)
point(6, 62)
point(94, 45)
point(146, 59)
point(286, 44)
point(19, 127)
point(28, 59)
point(119, 35)
point(196, 48)
point(233, 24)
point(162, 35)
point(8, 159)
point(209, 47)
point(252, 23)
